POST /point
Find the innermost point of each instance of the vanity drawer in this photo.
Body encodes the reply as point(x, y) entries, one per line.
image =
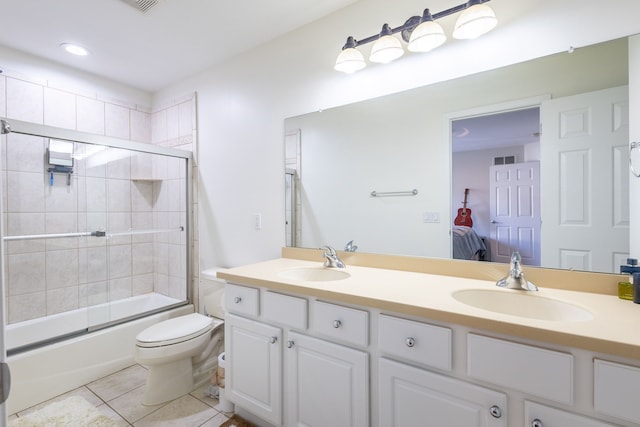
point(241, 299)
point(342, 323)
point(284, 309)
point(415, 341)
point(616, 388)
point(537, 371)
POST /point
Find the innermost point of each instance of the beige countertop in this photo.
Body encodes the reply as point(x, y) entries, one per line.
point(611, 330)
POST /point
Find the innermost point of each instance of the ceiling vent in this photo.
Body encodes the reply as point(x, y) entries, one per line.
point(141, 5)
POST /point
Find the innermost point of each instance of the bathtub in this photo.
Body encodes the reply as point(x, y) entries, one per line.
point(45, 372)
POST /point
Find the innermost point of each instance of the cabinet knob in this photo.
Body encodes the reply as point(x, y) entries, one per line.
point(273, 339)
point(337, 324)
point(537, 423)
point(410, 342)
point(495, 411)
point(237, 300)
point(289, 344)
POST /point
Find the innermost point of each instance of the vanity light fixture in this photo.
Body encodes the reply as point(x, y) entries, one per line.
point(422, 33)
point(75, 49)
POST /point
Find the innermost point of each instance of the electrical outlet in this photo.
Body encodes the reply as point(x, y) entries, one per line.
point(257, 218)
point(431, 217)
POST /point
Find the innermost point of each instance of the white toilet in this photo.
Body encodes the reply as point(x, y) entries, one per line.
point(180, 353)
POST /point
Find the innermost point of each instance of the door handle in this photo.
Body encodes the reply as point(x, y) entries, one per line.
point(493, 221)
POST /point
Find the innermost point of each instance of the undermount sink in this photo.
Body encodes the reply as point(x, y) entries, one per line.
point(522, 304)
point(314, 274)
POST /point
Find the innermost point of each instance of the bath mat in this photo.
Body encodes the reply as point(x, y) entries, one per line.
point(72, 412)
point(237, 421)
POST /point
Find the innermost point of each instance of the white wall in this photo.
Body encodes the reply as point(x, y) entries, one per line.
point(243, 102)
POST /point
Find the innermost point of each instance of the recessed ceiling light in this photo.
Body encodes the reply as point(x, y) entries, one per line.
point(75, 49)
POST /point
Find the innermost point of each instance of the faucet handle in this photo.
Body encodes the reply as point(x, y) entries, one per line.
point(330, 250)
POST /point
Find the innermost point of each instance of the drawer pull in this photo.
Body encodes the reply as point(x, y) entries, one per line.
point(337, 324)
point(410, 342)
point(536, 423)
point(237, 300)
point(496, 412)
point(273, 339)
point(289, 344)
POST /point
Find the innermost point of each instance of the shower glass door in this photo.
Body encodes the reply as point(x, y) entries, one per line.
point(96, 232)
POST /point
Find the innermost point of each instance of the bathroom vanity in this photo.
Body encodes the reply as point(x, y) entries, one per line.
point(365, 346)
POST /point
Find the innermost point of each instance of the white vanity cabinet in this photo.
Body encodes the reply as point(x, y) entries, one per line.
point(413, 397)
point(253, 352)
point(537, 415)
point(328, 384)
point(268, 340)
point(296, 360)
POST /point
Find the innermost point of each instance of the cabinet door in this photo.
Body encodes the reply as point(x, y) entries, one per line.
point(537, 415)
point(253, 377)
point(328, 384)
point(412, 397)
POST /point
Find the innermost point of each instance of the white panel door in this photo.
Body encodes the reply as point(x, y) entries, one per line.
point(585, 211)
point(515, 212)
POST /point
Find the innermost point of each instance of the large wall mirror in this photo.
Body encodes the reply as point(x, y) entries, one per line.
point(415, 140)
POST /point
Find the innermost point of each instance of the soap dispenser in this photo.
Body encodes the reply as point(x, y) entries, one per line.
point(625, 287)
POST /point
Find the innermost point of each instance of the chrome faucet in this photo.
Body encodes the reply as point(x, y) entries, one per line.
point(515, 279)
point(331, 258)
point(350, 247)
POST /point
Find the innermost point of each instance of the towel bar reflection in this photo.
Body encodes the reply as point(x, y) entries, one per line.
point(90, 233)
point(393, 193)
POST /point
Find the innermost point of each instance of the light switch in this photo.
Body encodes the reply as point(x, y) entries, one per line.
point(257, 221)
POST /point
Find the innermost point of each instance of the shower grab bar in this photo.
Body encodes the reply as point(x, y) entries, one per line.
point(393, 193)
point(90, 234)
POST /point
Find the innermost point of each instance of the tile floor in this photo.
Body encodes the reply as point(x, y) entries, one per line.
point(118, 396)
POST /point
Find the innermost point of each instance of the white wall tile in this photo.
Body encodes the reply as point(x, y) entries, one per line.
point(25, 223)
point(96, 293)
point(119, 164)
point(25, 153)
point(173, 122)
point(27, 306)
point(118, 195)
point(120, 288)
point(92, 266)
point(3, 96)
point(25, 192)
point(62, 299)
point(119, 261)
point(117, 121)
point(142, 284)
point(61, 196)
point(142, 258)
point(26, 273)
point(187, 119)
point(25, 101)
point(140, 126)
point(59, 108)
point(91, 115)
point(159, 126)
point(62, 268)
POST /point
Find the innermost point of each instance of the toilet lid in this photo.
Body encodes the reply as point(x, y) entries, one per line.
point(175, 330)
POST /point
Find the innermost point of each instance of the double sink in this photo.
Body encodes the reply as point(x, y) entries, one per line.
point(503, 301)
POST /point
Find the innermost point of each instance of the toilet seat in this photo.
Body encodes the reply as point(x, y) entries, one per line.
point(174, 331)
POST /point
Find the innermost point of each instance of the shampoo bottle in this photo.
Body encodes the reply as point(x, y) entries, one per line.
point(626, 287)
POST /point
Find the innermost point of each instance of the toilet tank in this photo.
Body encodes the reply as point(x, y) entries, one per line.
point(211, 294)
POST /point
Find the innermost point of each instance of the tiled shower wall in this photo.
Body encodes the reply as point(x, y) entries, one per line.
point(127, 192)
